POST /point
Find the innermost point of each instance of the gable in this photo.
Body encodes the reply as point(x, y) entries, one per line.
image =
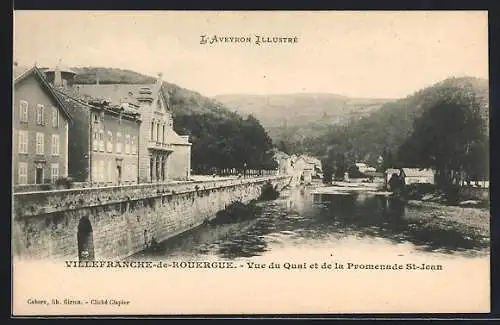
point(39, 87)
point(161, 103)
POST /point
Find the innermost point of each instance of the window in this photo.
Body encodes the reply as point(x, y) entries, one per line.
point(40, 114)
point(39, 143)
point(118, 142)
point(55, 117)
point(101, 140)
point(101, 171)
point(152, 130)
point(158, 132)
point(55, 144)
point(110, 171)
point(23, 111)
point(39, 175)
point(110, 141)
point(23, 141)
point(54, 172)
point(23, 173)
point(127, 144)
point(95, 118)
point(134, 145)
point(95, 137)
point(163, 134)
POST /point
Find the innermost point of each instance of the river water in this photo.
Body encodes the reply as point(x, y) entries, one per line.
point(300, 222)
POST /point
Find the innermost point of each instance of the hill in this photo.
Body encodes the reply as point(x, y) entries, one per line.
point(184, 101)
point(294, 116)
point(389, 127)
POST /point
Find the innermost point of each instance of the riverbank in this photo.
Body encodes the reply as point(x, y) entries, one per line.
point(430, 208)
point(474, 221)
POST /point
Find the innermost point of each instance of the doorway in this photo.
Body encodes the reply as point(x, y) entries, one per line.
point(85, 240)
point(119, 174)
point(39, 175)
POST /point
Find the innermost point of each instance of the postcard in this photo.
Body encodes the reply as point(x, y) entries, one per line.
point(239, 163)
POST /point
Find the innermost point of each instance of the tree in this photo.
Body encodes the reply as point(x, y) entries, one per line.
point(448, 137)
point(387, 160)
point(221, 143)
point(282, 146)
point(340, 166)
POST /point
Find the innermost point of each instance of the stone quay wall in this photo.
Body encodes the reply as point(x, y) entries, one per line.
point(122, 220)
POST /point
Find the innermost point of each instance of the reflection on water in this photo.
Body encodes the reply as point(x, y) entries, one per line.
point(299, 218)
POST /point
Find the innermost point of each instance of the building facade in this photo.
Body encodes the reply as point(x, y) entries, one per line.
point(284, 162)
point(40, 131)
point(104, 138)
point(413, 175)
point(163, 154)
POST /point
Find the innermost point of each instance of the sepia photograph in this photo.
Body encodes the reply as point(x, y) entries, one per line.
point(250, 162)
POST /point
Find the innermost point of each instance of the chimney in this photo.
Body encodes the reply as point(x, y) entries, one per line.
point(57, 75)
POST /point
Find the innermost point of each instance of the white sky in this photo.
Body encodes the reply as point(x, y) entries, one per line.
point(360, 54)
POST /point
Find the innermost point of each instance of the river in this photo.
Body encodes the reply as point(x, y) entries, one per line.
point(326, 225)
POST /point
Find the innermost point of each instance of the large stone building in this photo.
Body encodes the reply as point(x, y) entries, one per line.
point(163, 154)
point(40, 130)
point(284, 162)
point(104, 138)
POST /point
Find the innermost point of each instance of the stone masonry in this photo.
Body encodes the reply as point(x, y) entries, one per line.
point(123, 219)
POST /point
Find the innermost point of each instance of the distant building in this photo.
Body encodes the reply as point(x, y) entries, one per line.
point(364, 168)
point(414, 175)
point(104, 138)
point(40, 130)
point(317, 170)
point(305, 168)
point(284, 162)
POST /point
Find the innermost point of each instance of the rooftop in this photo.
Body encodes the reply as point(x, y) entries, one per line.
point(412, 172)
point(19, 70)
point(114, 93)
point(62, 68)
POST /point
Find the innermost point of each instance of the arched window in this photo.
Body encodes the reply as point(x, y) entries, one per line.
point(127, 144)
point(118, 142)
point(110, 141)
point(95, 140)
point(101, 140)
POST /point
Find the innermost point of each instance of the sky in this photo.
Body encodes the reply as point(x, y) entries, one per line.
point(358, 54)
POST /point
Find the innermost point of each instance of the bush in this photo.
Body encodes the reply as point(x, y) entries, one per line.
point(452, 194)
point(269, 192)
point(235, 212)
point(417, 191)
point(46, 187)
point(64, 182)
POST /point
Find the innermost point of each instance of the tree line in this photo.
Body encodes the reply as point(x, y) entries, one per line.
point(220, 144)
point(444, 127)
